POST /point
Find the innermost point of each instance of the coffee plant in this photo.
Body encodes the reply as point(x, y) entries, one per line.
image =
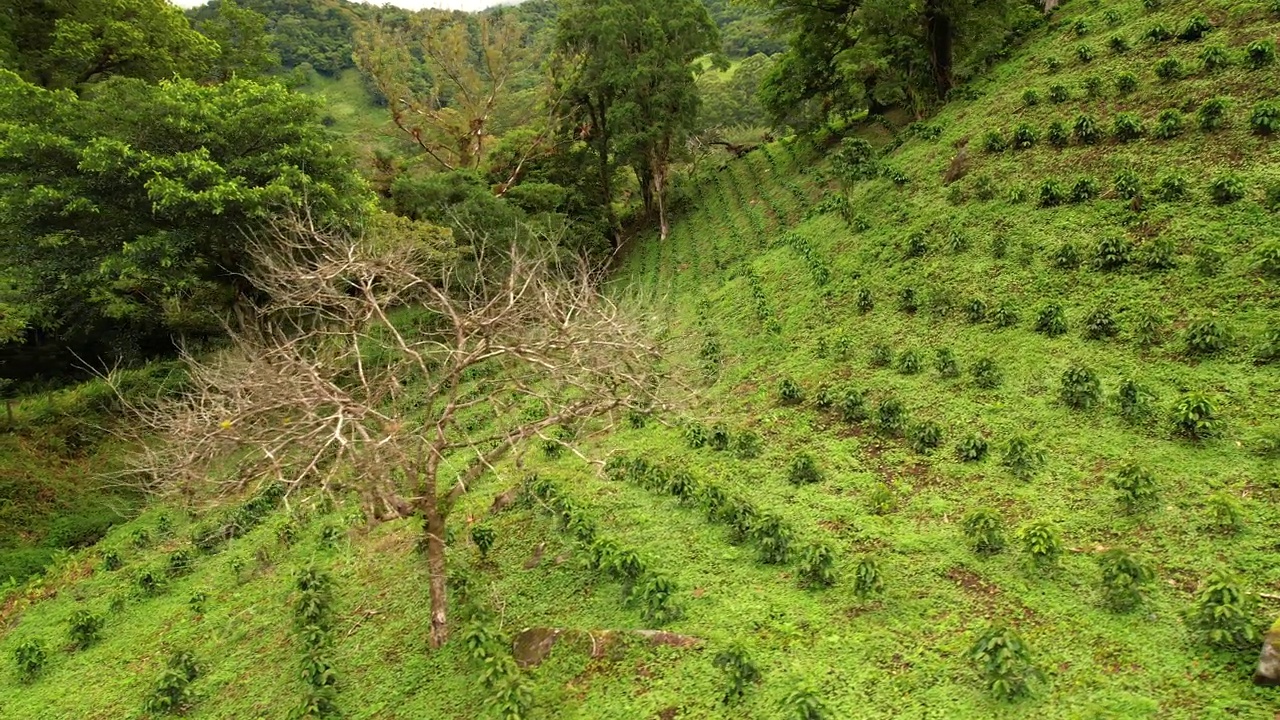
point(1052, 64)
point(1135, 487)
point(984, 529)
point(1226, 189)
point(84, 628)
point(1057, 134)
point(173, 694)
point(817, 566)
point(1005, 315)
point(179, 562)
point(1134, 402)
point(1127, 126)
point(1087, 130)
point(907, 301)
point(1058, 93)
point(1160, 254)
point(1124, 579)
point(1024, 137)
point(111, 560)
point(867, 580)
point(1197, 27)
point(880, 501)
point(802, 703)
point(719, 439)
point(197, 602)
point(975, 311)
point(1100, 325)
point(1052, 194)
point(910, 362)
point(986, 374)
point(891, 417)
point(695, 435)
point(1148, 329)
point(740, 515)
point(972, 448)
point(925, 436)
point(790, 392)
point(1040, 542)
point(804, 470)
point(1031, 97)
point(30, 659)
point(1170, 69)
point(1223, 612)
point(1080, 388)
point(1195, 417)
point(1119, 44)
point(1205, 337)
point(881, 355)
point(140, 537)
point(1093, 87)
point(1212, 115)
point(658, 602)
point(1022, 458)
point(1260, 53)
point(1224, 513)
point(483, 537)
point(740, 671)
point(773, 538)
point(945, 363)
point(1169, 124)
point(1051, 321)
point(994, 142)
point(1171, 187)
point(747, 445)
point(1265, 119)
point(1005, 663)
point(865, 301)
point(1085, 189)
point(1158, 33)
point(1268, 349)
point(1128, 185)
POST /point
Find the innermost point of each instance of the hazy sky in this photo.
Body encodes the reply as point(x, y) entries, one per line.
point(409, 4)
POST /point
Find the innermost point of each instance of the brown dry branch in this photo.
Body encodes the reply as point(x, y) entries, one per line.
point(366, 365)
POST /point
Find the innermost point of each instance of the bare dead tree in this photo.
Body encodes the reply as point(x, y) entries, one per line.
point(368, 366)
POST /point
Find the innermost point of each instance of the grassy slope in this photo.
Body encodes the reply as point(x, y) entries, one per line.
point(903, 654)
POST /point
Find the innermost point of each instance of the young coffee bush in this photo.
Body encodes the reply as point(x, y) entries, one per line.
point(867, 580)
point(1126, 83)
point(917, 245)
point(773, 538)
point(1260, 53)
point(1135, 487)
point(1087, 130)
point(1224, 611)
point(1267, 259)
point(1226, 189)
point(1057, 134)
point(1212, 115)
point(483, 537)
point(1031, 97)
point(1223, 513)
point(1158, 33)
point(1051, 321)
point(658, 602)
point(719, 439)
point(994, 142)
point(1052, 64)
point(747, 445)
point(1148, 329)
point(790, 392)
point(695, 435)
point(803, 703)
point(1058, 93)
point(1171, 187)
point(804, 470)
point(179, 562)
point(1040, 542)
point(1197, 27)
point(1024, 137)
point(1022, 458)
point(1052, 194)
point(84, 628)
point(740, 671)
point(1127, 126)
point(1209, 260)
point(1127, 184)
point(1195, 417)
point(1214, 58)
point(1205, 337)
point(908, 301)
point(881, 355)
point(891, 417)
point(945, 363)
point(1169, 124)
point(1265, 119)
point(1170, 69)
point(1080, 389)
point(880, 501)
point(817, 567)
point(865, 301)
point(972, 448)
point(140, 538)
point(111, 560)
point(851, 403)
point(1066, 256)
point(173, 693)
point(986, 374)
point(925, 436)
point(1085, 189)
point(197, 602)
point(1133, 401)
point(975, 311)
point(910, 362)
point(1005, 315)
point(1119, 44)
point(1124, 579)
point(1112, 253)
point(984, 529)
point(30, 658)
point(1005, 663)
point(1113, 17)
point(741, 516)
point(1160, 254)
point(1099, 324)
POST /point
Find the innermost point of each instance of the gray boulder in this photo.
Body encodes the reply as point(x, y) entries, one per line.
point(1268, 672)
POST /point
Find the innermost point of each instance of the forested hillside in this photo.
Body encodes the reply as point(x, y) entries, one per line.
point(640, 359)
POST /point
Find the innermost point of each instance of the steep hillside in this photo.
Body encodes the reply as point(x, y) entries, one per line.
point(1077, 311)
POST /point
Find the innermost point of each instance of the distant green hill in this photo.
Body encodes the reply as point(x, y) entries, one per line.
point(887, 310)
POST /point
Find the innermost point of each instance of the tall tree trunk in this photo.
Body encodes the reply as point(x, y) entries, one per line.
point(658, 182)
point(434, 529)
point(939, 32)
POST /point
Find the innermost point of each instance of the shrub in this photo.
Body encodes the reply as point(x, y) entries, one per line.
point(1260, 53)
point(926, 436)
point(986, 374)
point(1169, 124)
point(658, 602)
point(1128, 184)
point(1085, 189)
point(1058, 93)
point(1087, 130)
point(1005, 663)
point(1133, 401)
point(804, 470)
point(994, 142)
point(1124, 578)
point(1197, 27)
point(1160, 254)
point(817, 567)
point(1127, 126)
point(880, 500)
point(747, 445)
point(1112, 253)
point(111, 560)
point(1052, 193)
point(1195, 417)
point(1081, 27)
point(865, 301)
point(881, 355)
point(483, 537)
point(1119, 44)
point(909, 362)
point(1267, 259)
point(1004, 315)
point(984, 529)
point(917, 245)
point(719, 439)
point(1205, 337)
point(790, 392)
point(1112, 17)
point(1057, 134)
point(1224, 513)
point(84, 628)
point(1171, 187)
point(972, 448)
point(740, 670)
point(773, 539)
point(1170, 69)
point(30, 658)
point(197, 602)
point(1066, 257)
point(179, 562)
point(1024, 137)
point(1080, 389)
point(852, 405)
point(1212, 114)
point(1158, 33)
point(802, 703)
point(1135, 486)
point(984, 188)
point(945, 363)
point(1022, 458)
point(867, 580)
point(1209, 260)
point(1265, 119)
point(891, 417)
point(1126, 82)
point(1040, 542)
point(173, 692)
point(1031, 97)
point(740, 515)
point(957, 242)
point(1085, 53)
point(1099, 324)
point(1214, 58)
point(1223, 612)
point(1093, 86)
point(1226, 189)
point(140, 538)
point(907, 301)
point(695, 435)
point(1052, 64)
point(1051, 320)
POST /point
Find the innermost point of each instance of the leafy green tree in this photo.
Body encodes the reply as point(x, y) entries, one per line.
point(69, 43)
point(244, 47)
point(119, 211)
point(626, 69)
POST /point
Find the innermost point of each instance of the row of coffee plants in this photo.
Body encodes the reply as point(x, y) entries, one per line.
point(655, 592)
point(760, 302)
point(509, 695)
point(819, 268)
point(313, 623)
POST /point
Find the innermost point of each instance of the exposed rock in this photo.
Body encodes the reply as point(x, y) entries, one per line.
point(959, 167)
point(505, 500)
point(535, 559)
point(1268, 672)
point(532, 645)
